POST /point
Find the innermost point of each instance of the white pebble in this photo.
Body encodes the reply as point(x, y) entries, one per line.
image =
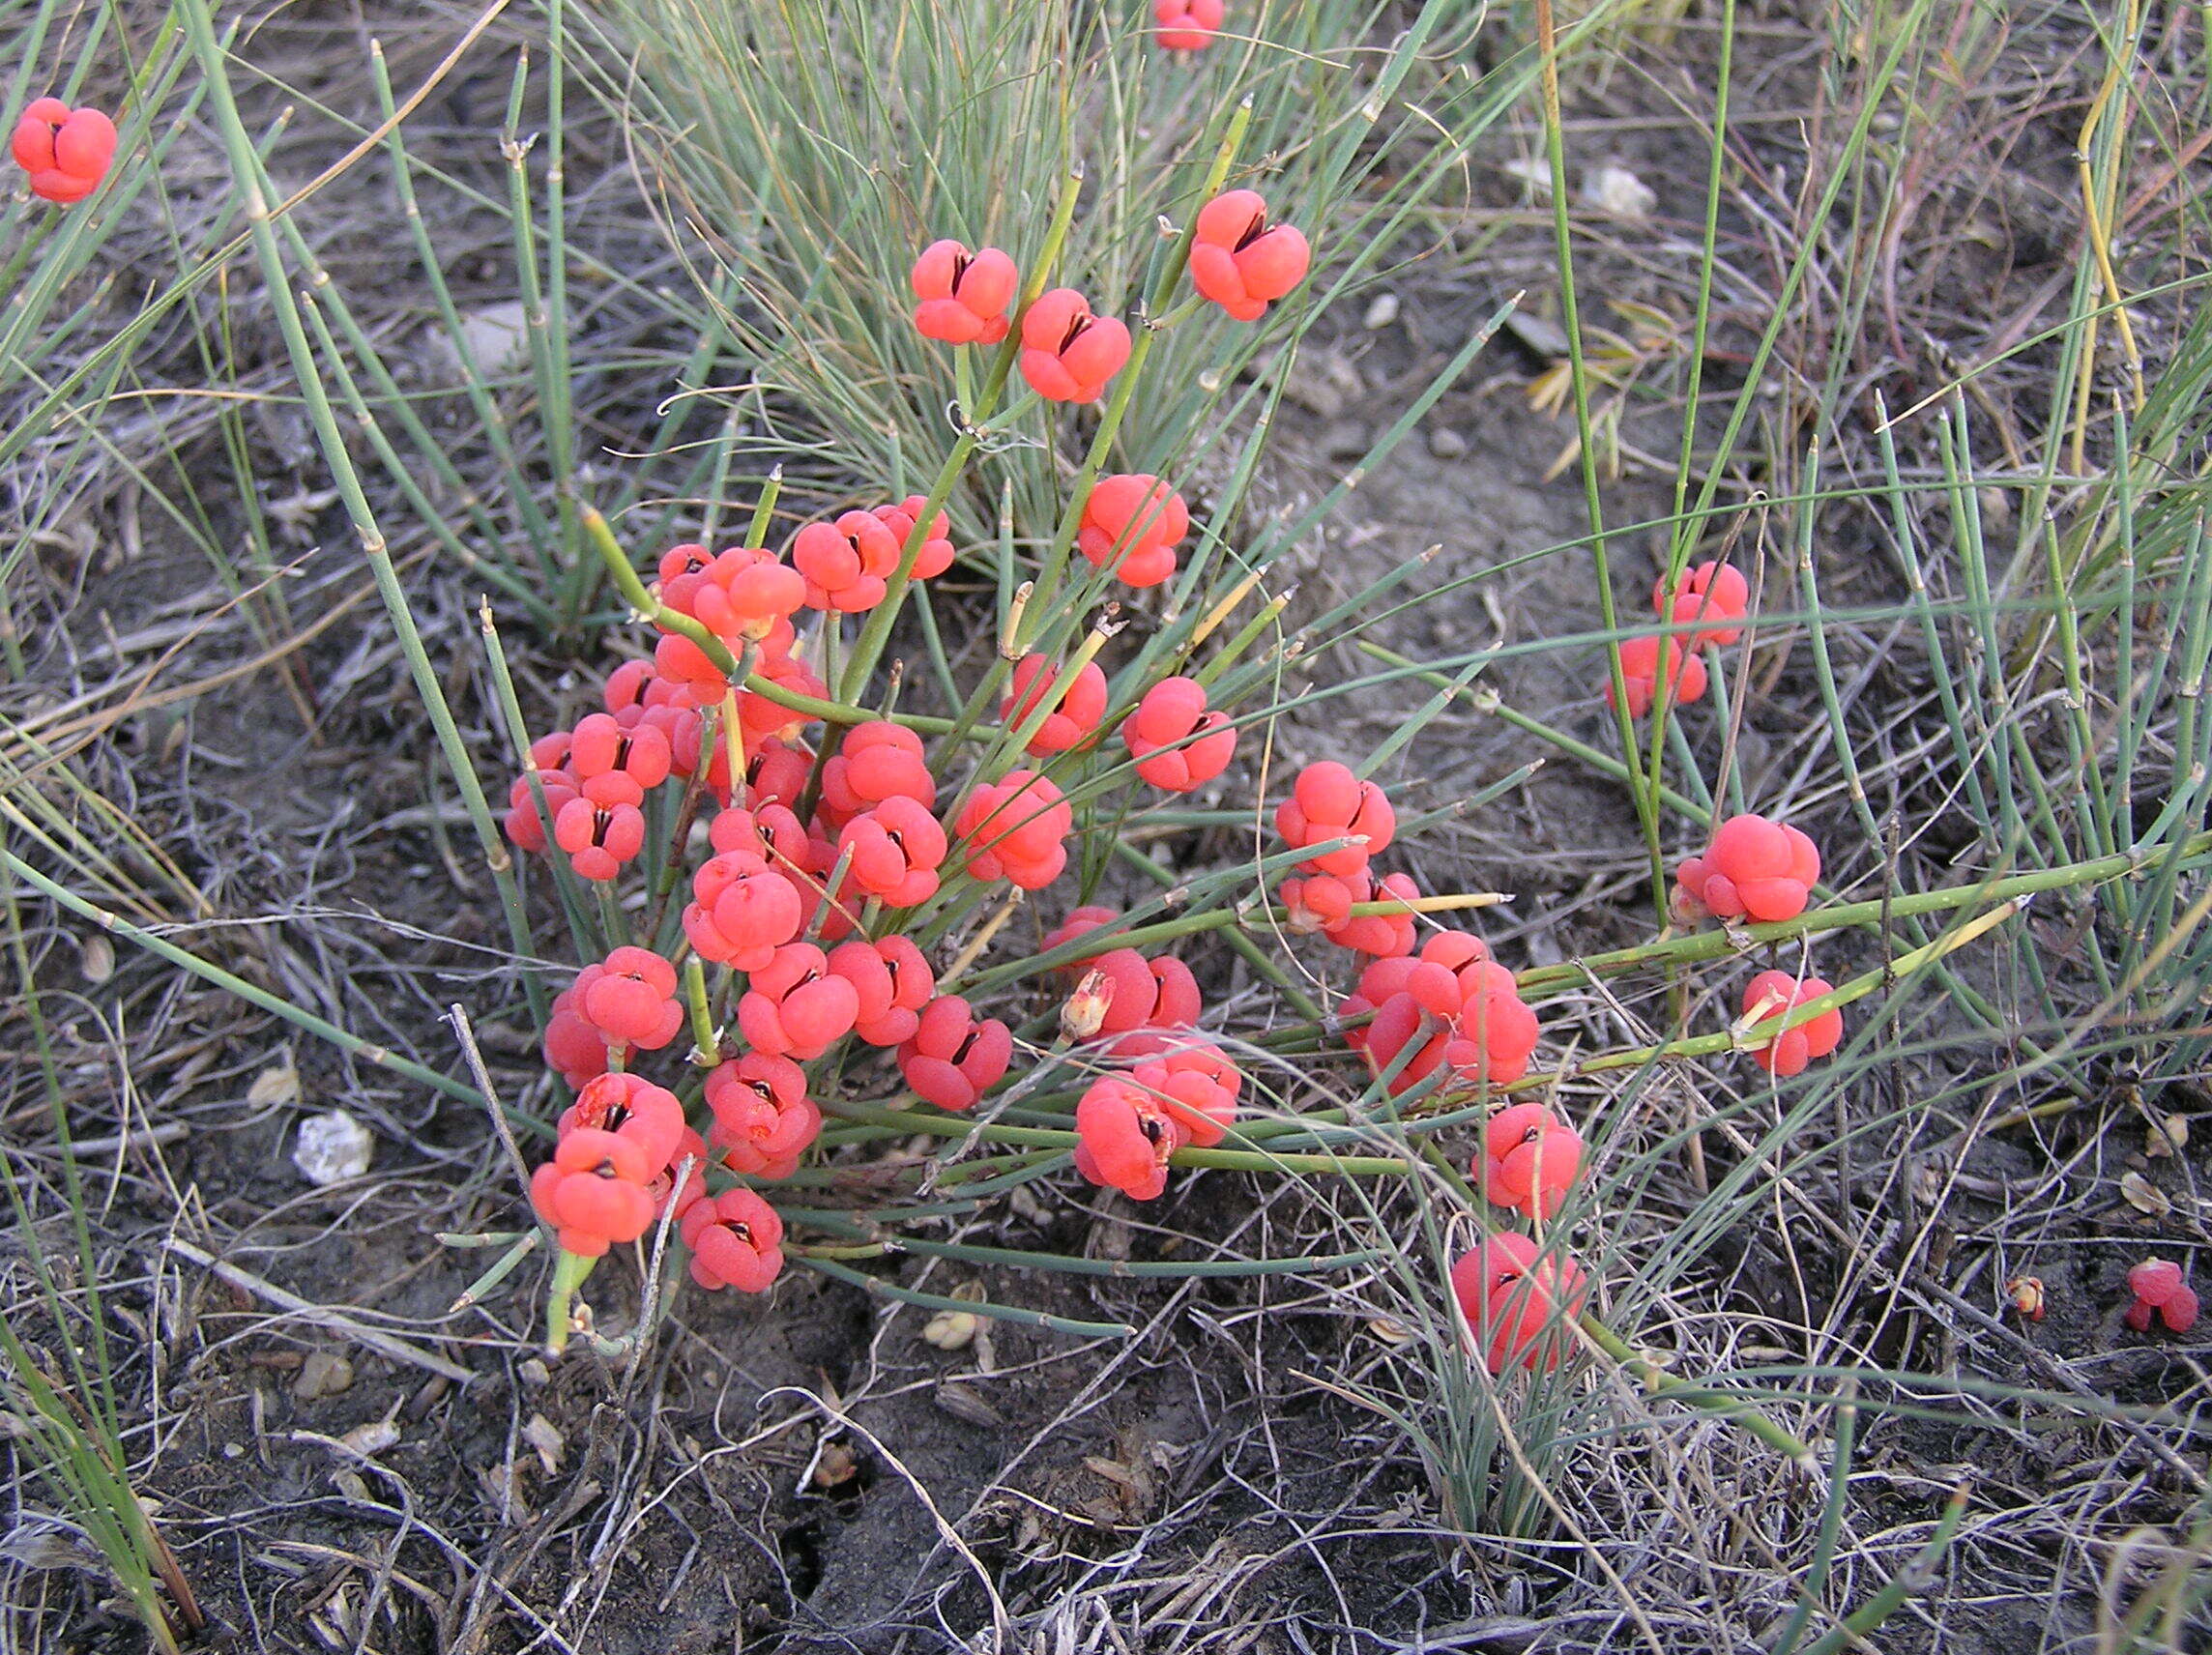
point(332, 1148)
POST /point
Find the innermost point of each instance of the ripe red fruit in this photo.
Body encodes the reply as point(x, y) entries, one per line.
point(764, 1121)
point(66, 151)
point(1325, 901)
point(1124, 1136)
point(963, 296)
point(741, 594)
point(794, 1006)
point(1068, 352)
point(1790, 1052)
point(1133, 522)
point(736, 1241)
point(777, 772)
point(876, 761)
point(1197, 1084)
point(1016, 829)
point(1179, 746)
point(764, 719)
point(593, 1192)
point(1495, 1032)
point(894, 982)
point(1327, 801)
point(1076, 707)
point(1186, 25)
point(525, 826)
point(602, 746)
point(742, 910)
point(2155, 1280)
point(1516, 1300)
point(633, 1109)
point(1153, 994)
point(1240, 261)
point(1714, 594)
point(896, 850)
point(1640, 670)
point(1755, 869)
point(600, 839)
point(1472, 1019)
point(1530, 1160)
point(935, 554)
point(631, 998)
point(846, 563)
point(952, 1060)
point(768, 832)
point(2179, 1312)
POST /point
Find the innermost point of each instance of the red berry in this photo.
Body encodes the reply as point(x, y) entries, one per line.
point(896, 850)
point(1132, 522)
point(1179, 746)
point(742, 910)
point(631, 998)
point(736, 1241)
point(952, 1060)
point(1077, 707)
point(1327, 801)
point(894, 982)
point(795, 1006)
point(874, 762)
point(1515, 1298)
point(1715, 595)
point(1240, 261)
point(1068, 354)
point(763, 1118)
point(1640, 670)
point(1530, 1161)
point(1124, 1136)
point(963, 296)
point(1755, 869)
point(1788, 1053)
point(1016, 830)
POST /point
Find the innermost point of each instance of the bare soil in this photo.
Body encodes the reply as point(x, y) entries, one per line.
point(806, 1471)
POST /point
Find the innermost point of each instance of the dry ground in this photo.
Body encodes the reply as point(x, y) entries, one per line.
point(806, 1471)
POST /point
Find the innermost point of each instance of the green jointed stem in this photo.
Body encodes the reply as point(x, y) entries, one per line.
point(1717, 943)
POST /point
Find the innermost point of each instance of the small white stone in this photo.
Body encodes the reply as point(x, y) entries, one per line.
point(1382, 311)
point(332, 1148)
point(1617, 190)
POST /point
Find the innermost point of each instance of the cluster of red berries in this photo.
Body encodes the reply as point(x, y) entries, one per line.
point(1128, 1125)
point(1761, 870)
point(1712, 598)
point(625, 1157)
point(1411, 1015)
point(67, 152)
point(1068, 352)
point(825, 851)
